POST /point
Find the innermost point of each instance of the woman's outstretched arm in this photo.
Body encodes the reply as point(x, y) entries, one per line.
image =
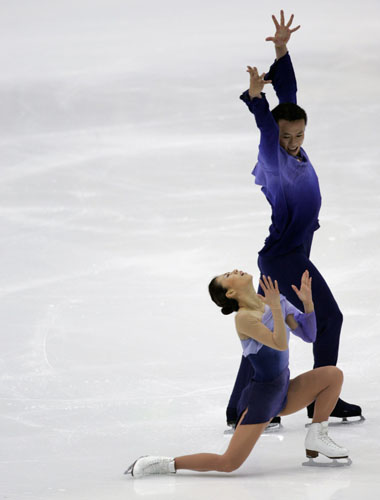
point(249, 326)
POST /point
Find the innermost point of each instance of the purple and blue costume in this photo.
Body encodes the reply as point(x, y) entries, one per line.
point(290, 185)
point(266, 393)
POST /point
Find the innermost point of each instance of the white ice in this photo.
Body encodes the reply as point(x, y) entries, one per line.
point(125, 186)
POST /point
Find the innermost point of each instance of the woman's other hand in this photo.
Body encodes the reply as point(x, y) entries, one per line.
point(271, 292)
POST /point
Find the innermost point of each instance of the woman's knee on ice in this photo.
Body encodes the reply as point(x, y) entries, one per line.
point(228, 464)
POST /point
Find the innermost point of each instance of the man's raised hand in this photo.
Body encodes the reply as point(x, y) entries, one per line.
point(283, 31)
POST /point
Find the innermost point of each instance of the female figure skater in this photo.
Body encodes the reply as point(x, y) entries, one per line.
point(290, 184)
point(263, 324)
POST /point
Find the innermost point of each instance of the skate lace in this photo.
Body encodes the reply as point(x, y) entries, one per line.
point(157, 465)
point(327, 440)
point(154, 464)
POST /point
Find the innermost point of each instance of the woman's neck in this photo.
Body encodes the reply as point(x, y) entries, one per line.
point(251, 302)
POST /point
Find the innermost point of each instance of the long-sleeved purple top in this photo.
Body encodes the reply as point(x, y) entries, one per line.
point(268, 363)
point(290, 184)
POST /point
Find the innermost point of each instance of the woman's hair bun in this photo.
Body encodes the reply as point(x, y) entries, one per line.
point(226, 310)
point(231, 307)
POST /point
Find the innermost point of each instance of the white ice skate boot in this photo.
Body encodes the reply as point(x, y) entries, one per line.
point(144, 466)
point(318, 441)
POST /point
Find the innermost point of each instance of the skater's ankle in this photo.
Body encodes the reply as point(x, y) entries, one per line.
point(320, 417)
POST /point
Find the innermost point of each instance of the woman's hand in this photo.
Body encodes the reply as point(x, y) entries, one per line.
point(283, 31)
point(256, 82)
point(304, 293)
point(272, 293)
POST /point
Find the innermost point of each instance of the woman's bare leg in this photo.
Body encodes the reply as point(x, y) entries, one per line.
point(322, 385)
point(241, 445)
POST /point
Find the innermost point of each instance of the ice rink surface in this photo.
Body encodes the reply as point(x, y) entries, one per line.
point(125, 187)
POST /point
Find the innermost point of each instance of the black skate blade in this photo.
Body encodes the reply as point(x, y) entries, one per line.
point(229, 431)
point(343, 421)
point(335, 462)
point(272, 427)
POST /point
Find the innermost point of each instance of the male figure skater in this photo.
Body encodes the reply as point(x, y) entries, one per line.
point(290, 184)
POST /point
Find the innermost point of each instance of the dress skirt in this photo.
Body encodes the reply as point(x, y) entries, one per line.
point(264, 400)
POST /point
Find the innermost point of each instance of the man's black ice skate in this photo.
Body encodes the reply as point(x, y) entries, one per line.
point(342, 410)
point(273, 425)
point(231, 415)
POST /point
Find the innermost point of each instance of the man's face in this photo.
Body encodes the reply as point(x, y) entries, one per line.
point(291, 135)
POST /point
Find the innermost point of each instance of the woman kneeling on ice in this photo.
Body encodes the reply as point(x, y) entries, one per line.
point(263, 324)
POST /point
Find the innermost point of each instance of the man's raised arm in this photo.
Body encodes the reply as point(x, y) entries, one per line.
point(258, 105)
point(281, 72)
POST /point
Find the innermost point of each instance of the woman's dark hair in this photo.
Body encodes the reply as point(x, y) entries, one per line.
point(218, 295)
point(289, 111)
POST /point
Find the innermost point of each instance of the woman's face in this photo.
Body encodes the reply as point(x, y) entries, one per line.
point(235, 280)
point(291, 135)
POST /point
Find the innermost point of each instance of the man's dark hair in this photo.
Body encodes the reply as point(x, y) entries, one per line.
point(289, 111)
